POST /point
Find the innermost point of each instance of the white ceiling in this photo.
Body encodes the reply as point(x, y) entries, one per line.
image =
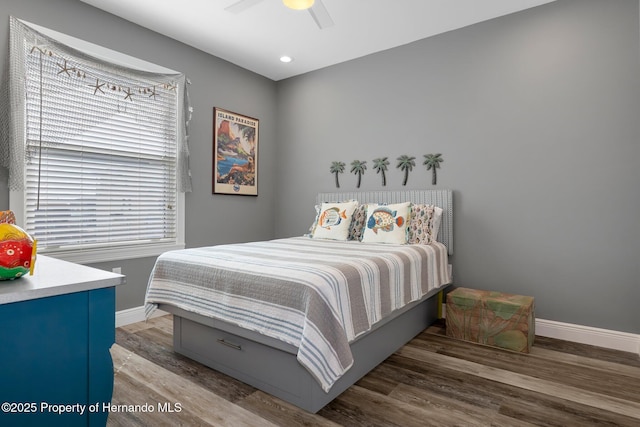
point(257, 37)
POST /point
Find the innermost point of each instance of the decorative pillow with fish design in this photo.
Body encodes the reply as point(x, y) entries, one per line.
point(334, 220)
point(387, 223)
point(424, 224)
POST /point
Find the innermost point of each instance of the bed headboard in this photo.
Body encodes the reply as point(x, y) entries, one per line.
point(440, 198)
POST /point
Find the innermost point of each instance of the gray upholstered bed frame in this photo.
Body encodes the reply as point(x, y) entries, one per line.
point(271, 365)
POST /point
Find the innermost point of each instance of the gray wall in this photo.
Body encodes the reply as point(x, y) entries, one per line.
point(211, 219)
point(536, 115)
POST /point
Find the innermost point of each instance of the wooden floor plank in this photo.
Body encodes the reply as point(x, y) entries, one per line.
point(132, 394)
point(433, 380)
point(578, 374)
point(381, 410)
point(576, 360)
point(600, 353)
point(563, 391)
point(282, 413)
point(556, 412)
point(176, 390)
point(545, 410)
point(454, 411)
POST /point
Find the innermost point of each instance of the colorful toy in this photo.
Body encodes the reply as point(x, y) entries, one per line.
point(17, 251)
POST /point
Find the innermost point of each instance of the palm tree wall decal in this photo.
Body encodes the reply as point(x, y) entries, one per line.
point(336, 168)
point(380, 165)
point(406, 164)
point(358, 167)
point(432, 161)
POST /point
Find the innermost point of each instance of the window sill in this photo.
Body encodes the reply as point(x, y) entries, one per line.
point(116, 253)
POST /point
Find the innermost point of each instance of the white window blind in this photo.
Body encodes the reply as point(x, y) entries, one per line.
point(103, 156)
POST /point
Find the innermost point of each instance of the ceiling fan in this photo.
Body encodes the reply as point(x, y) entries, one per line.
point(317, 11)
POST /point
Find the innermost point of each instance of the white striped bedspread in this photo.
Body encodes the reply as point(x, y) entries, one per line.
point(317, 295)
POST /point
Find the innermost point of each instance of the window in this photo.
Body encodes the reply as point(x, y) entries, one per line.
point(102, 149)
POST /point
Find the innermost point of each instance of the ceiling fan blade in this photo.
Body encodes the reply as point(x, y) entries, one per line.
point(241, 5)
point(320, 15)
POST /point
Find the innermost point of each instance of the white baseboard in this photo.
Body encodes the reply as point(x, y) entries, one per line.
point(606, 338)
point(134, 315)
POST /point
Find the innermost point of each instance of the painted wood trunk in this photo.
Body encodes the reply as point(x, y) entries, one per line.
point(491, 318)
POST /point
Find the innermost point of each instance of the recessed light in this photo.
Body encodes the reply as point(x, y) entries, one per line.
point(286, 59)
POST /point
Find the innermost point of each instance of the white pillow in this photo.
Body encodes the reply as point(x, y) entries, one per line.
point(437, 219)
point(334, 220)
point(387, 223)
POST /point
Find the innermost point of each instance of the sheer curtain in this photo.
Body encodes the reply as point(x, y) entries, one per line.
point(24, 41)
point(106, 142)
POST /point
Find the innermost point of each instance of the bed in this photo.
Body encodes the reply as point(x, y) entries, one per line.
point(304, 318)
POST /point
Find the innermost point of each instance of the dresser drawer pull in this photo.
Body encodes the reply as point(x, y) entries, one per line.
point(228, 344)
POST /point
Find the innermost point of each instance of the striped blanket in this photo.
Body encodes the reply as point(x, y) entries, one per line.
point(317, 295)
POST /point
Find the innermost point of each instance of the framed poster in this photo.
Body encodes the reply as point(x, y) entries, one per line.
point(235, 153)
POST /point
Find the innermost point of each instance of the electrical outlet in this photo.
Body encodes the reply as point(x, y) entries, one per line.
point(117, 270)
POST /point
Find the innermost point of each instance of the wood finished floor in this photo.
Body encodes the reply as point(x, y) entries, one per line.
point(431, 381)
